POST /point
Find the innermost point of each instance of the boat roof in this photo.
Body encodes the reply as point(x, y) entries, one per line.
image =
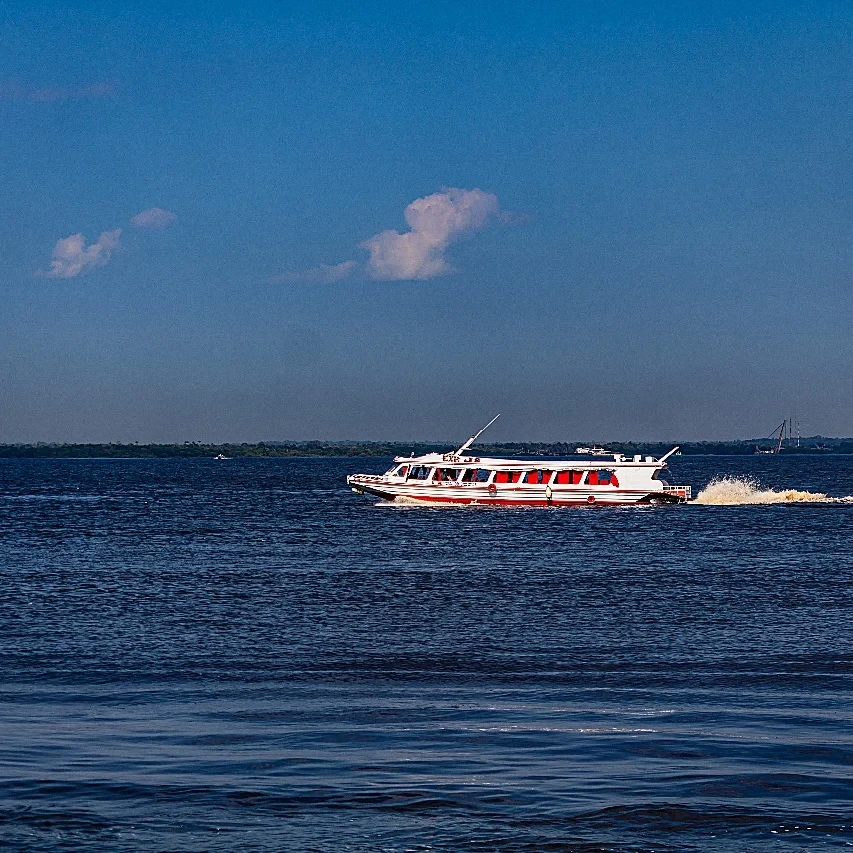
point(451, 460)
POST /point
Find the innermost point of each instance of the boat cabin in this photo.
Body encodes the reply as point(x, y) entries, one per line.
point(485, 476)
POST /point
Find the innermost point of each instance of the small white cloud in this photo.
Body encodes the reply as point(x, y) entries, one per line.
point(154, 217)
point(323, 274)
point(435, 221)
point(14, 90)
point(71, 255)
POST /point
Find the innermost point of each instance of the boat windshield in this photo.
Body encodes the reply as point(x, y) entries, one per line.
point(419, 472)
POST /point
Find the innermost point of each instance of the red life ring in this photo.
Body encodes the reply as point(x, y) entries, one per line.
point(591, 499)
point(493, 489)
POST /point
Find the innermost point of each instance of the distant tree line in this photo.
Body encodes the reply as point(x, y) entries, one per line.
point(263, 450)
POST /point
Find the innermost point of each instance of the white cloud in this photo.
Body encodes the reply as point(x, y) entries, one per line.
point(154, 217)
point(71, 255)
point(435, 221)
point(323, 274)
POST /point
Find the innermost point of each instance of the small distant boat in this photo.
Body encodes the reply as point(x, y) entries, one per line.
point(455, 478)
point(778, 436)
point(595, 450)
point(221, 456)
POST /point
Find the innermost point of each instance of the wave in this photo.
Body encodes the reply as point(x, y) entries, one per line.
point(735, 491)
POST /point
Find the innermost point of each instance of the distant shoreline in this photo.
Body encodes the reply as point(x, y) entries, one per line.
point(816, 445)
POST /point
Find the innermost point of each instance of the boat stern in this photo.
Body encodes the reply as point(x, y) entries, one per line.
point(669, 495)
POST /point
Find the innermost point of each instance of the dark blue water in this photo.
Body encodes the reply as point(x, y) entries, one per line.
point(243, 655)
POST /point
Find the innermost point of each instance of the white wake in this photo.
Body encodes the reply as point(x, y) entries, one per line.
point(733, 491)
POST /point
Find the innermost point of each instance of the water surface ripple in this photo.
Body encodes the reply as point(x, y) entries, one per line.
point(242, 655)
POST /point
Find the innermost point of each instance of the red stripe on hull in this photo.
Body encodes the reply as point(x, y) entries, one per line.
point(425, 500)
point(508, 502)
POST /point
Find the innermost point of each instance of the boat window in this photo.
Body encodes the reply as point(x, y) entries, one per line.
point(468, 475)
point(601, 478)
point(483, 475)
point(507, 476)
point(419, 472)
point(475, 475)
point(402, 471)
point(446, 475)
point(537, 477)
point(569, 478)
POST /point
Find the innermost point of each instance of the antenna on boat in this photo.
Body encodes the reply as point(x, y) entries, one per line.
point(667, 455)
point(476, 436)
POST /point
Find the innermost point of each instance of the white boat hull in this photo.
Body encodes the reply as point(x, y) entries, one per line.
point(532, 496)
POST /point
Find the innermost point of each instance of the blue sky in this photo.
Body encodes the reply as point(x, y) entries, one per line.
point(605, 221)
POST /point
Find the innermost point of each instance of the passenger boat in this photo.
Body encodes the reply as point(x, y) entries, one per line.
point(460, 478)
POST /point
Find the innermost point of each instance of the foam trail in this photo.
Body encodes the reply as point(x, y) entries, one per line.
point(411, 503)
point(734, 491)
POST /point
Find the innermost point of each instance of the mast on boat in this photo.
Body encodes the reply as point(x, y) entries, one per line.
point(781, 436)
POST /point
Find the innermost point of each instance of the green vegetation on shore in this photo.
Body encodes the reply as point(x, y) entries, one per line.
point(813, 445)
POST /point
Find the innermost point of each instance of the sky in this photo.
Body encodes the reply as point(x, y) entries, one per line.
point(391, 221)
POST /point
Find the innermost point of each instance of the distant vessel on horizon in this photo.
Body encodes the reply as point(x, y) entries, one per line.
point(782, 433)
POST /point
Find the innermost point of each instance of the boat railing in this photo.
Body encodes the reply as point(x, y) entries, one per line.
point(681, 491)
